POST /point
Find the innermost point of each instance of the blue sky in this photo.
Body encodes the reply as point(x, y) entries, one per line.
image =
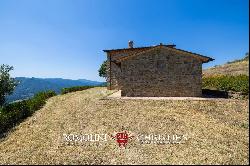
point(65, 38)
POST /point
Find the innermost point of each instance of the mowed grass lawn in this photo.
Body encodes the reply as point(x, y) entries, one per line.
point(217, 131)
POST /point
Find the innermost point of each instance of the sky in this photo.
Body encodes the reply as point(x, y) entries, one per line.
point(65, 38)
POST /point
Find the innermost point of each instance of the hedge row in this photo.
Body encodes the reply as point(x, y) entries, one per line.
point(75, 88)
point(239, 83)
point(14, 113)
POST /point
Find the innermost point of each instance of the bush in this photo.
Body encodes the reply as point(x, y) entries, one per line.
point(39, 100)
point(15, 112)
point(75, 88)
point(12, 114)
point(239, 83)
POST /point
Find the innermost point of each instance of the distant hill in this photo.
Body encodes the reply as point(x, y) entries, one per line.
point(29, 86)
point(235, 67)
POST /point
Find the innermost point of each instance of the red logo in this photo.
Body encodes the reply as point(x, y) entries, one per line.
point(122, 138)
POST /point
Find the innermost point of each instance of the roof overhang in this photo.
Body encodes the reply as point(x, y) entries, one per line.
point(203, 58)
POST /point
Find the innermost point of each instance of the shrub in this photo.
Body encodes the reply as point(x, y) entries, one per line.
point(14, 113)
point(39, 100)
point(239, 83)
point(75, 88)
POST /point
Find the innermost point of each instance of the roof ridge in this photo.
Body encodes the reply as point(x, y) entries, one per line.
point(134, 48)
point(164, 46)
point(138, 53)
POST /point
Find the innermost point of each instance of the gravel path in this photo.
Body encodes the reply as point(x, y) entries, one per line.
point(216, 131)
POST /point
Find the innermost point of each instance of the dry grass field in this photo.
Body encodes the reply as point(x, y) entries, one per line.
point(217, 131)
point(235, 68)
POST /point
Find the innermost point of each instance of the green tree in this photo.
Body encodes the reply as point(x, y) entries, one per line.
point(103, 69)
point(7, 84)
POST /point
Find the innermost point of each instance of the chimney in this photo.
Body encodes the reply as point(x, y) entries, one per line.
point(130, 44)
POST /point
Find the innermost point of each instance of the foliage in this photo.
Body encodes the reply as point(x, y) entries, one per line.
point(76, 88)
point(39, 100)
point(239, 83)
point(14, 113)
point(103, 69)
point(7, 84)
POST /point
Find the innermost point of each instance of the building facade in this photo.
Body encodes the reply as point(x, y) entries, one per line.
point(155, 71)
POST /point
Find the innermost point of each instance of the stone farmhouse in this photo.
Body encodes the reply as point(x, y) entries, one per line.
point(155, 71)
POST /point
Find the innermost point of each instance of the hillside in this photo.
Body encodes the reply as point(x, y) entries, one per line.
point(30, 86)
point(236, 67)
point(216, 131)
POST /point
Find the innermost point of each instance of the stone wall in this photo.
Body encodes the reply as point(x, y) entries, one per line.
point(161, 72)
point(115, 74)
point(113, 77)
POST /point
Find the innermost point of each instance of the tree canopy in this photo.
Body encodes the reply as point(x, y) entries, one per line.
point(103, 69)
point(7, 84)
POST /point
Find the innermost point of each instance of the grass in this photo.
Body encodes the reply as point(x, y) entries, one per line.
point(217, 131)
point(234, 68)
